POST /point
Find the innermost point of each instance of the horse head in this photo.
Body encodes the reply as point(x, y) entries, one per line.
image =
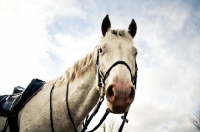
point(116, 66)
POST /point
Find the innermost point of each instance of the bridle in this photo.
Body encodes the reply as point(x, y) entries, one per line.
point(102, 77)
point(101, 83)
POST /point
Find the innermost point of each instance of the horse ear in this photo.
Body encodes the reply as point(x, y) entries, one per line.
point(132, 29)
point(106, 25)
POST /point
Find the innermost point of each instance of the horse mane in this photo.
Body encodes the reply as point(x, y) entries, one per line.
point(75, 71)
point(81, 66)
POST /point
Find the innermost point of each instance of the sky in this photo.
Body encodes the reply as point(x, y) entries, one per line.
point(40, 39)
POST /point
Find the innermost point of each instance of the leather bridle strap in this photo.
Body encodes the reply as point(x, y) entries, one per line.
point(123, 122)
point(67, 104)
point(51, 115)
point(101, 121)
point(134, 78)
point(101, 99)
point(102, 77)
point(115, 64)
point(96, 109)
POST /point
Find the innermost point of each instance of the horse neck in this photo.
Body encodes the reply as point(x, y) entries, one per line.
point(82, 96)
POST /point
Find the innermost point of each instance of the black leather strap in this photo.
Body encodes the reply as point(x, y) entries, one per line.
point(69, 113)
point(116, 63)
point(101, 121)
point(96, 109)
point(123, 122)
point(51, 109)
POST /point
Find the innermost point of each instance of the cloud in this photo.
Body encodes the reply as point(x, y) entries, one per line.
point(25, 39)
point(165, 96)
point(41, 39)
point(164, 16)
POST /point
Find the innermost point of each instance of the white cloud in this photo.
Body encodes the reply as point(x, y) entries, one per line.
point(195, 50)
point(168, 90)
point(172, 15)
point(25, 40)
point(168, 80)
point(155, 117)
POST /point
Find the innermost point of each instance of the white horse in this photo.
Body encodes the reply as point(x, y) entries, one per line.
point(108, 70)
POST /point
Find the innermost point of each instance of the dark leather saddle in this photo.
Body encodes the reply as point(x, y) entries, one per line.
point(7, 101)
point(10, 105)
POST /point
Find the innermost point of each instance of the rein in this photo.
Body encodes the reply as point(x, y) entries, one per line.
point(51, 115)
point(101, 84)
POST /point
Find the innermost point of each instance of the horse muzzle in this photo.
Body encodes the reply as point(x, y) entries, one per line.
point(119, 96)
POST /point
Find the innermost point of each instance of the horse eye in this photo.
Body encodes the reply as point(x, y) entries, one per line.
point(100, 50)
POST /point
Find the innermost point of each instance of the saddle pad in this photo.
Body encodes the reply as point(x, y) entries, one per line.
point(33, 88)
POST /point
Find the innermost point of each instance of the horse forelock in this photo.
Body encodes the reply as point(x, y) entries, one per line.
point(119, 33)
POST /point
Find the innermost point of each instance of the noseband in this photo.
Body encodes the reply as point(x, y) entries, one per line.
point(101, 83)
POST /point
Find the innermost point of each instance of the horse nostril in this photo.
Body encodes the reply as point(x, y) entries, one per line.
point(132, 93)
point(110, 92)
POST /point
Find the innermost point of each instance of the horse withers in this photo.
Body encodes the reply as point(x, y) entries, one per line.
point(109, 70)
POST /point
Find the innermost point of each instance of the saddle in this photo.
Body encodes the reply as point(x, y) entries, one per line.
point(6, 101)
point(10, 105)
